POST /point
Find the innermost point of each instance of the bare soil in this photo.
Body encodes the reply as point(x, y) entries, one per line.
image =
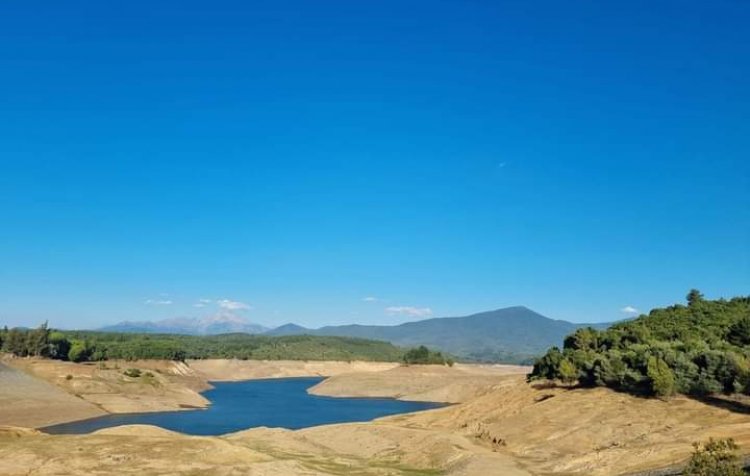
point(499, 425)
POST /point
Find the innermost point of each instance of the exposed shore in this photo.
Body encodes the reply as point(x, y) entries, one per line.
point(42, 392)
point(499, 425)
point(26, 401)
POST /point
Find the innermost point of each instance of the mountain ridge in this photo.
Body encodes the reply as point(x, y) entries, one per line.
point(515, 334)
point(218, 324)
point(511, 334)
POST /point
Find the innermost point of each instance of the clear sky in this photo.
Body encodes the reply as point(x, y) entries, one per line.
point(374, 162)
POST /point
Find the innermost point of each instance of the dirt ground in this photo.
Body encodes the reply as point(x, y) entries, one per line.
point(163, 386)
point(231, 370)
point(499, 425)
point(426, 383)
point(31, 402)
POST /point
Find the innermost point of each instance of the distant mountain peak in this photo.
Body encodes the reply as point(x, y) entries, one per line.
point(288, 329)
point(222, 323)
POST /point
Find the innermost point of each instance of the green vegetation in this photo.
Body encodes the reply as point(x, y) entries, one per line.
point(83, 346)
point(514, 335)
point(492, 356)
point(40, 342)
point(134, 373)
point(423, 356)
point(715, 458)
point(698, 349)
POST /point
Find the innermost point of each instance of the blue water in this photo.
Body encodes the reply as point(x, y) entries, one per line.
point(237, 406)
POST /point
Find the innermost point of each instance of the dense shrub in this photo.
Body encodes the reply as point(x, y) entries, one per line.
point(698, 349)
point(715, 458)
point(423, 356)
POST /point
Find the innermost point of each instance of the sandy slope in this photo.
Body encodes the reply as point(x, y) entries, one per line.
point(232, 370)
point(427, 383)
point(354, 449)
point(583, 431)
point(32, 402)
point(171, 386)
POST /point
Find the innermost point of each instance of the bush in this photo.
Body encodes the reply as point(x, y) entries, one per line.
point(78, 352)
point(135, 373)
point(715, 458)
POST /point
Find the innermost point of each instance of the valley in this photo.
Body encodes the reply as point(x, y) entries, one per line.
point(498, 424)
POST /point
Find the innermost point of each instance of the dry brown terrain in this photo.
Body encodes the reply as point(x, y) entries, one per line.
point(425, 383)
point(168, 386)
point(584, 431)
point(501, 426)
point(31, 402)
point(231, 370)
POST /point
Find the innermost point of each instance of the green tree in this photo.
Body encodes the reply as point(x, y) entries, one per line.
point(59, 346)
point(694, 297)
point(585, 338)
point(568, 371)
point(423, 356)
point(16, 343)
point(547, 366)
point(79, 351)
point(38, 341)
point(661, 376)
point(739, 332)
point(714, 458)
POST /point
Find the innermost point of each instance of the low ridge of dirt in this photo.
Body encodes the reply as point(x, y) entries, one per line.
point(426, 383)
point(232, 370)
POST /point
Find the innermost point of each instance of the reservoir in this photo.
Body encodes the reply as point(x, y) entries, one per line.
point(238, 406)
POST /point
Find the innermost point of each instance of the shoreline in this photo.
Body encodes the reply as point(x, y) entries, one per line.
point(497, 424)
point(73, 392)
point(310, 381)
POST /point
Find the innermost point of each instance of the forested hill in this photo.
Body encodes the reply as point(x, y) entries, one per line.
point(514, 334)
point(699, 348)
point(95, 346)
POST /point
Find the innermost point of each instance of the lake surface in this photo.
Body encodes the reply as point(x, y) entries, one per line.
point(237, 406)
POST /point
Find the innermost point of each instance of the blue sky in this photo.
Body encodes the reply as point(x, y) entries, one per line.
point(288, 160)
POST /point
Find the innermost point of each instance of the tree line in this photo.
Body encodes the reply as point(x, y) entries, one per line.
point(696, 349)
point(40, 342)
point(92, 346)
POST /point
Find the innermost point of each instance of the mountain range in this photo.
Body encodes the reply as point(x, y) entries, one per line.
point(218, 324)
point(513, 334)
